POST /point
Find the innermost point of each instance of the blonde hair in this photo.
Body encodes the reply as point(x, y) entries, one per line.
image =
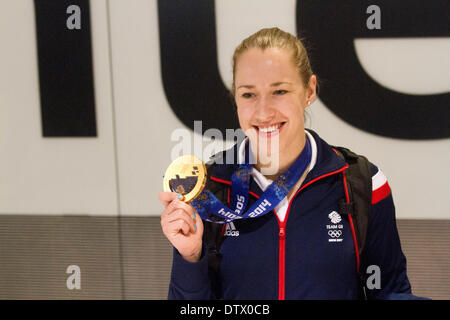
point(276, 38)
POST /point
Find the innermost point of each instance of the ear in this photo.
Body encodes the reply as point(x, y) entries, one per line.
point(311, 92)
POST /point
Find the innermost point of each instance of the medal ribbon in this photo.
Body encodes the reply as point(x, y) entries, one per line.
point(207, 203)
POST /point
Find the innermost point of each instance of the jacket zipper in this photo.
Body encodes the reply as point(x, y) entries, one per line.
point(282, 260)
point(282, 237)
point(282, 231)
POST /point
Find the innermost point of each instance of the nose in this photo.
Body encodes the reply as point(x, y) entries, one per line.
point(264, 111)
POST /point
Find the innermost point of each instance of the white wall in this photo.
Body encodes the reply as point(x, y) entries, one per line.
point(120, 171)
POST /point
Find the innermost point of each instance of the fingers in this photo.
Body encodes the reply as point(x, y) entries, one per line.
point(178, 216)
point(181, 215)
point(167, 197)
point(185, 228)
point(179, 226)
point(182, 205)
point(183, 225)
point(177, 204)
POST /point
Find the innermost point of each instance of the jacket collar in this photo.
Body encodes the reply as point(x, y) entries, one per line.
point(327, 161)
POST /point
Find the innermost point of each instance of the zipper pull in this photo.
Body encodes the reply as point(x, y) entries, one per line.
point(282, 233)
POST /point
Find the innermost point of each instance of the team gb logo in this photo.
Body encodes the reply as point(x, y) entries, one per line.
point(335, 217)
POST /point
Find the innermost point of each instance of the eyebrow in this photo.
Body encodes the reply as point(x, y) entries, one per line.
point(275, 84)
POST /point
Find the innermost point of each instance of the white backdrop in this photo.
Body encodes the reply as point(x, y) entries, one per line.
point(120, 171)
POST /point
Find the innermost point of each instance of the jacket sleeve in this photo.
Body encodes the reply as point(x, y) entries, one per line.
point(190, 280)
point(383, 254)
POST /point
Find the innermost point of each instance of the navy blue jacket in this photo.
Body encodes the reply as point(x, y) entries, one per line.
point(301, 257)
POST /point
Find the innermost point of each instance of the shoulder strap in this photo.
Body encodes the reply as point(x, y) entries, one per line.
point(359, 185)
point(212, 231)
point(212, 234)
point(211, 238)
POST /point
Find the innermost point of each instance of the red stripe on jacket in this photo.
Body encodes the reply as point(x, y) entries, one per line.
point(381, 193)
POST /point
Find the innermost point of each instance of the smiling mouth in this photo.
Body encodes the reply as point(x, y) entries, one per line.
point(270, 130)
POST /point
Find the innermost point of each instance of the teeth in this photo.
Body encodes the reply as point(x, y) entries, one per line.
point(269, 129)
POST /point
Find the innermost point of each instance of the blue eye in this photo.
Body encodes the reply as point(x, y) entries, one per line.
point(247, 95)
point(280, 92)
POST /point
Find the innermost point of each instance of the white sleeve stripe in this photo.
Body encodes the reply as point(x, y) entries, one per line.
point(378, 180)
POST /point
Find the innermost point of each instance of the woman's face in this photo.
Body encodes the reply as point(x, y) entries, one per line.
point(271, 98)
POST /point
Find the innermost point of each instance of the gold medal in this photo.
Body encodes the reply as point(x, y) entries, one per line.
point(186, 175)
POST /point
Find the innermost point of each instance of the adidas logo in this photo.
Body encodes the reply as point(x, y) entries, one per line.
point(230, 230)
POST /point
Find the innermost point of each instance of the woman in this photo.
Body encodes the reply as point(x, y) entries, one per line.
point(303, 249)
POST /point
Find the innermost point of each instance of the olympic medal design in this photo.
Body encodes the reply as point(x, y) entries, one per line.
point(186, 175)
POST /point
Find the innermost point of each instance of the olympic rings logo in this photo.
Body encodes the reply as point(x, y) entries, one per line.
point(334, 233)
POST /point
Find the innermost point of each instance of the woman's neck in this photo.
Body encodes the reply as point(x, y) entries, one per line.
point(285, 159)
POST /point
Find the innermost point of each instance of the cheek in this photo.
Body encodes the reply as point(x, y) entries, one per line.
point(289, 108)
point(297, 107)
point(294, 112)
point(244, 116)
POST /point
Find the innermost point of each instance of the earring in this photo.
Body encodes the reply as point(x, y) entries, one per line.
point(309, 102)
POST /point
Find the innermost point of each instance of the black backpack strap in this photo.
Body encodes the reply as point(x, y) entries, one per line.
point(358, 178)
point(358, 183)
point(213, 235)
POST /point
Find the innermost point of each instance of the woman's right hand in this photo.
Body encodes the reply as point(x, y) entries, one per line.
point(182, 226)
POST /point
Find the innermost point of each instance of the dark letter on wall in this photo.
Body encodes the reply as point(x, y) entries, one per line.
point(190, 73)
point(346, 88)
point(65, 70)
